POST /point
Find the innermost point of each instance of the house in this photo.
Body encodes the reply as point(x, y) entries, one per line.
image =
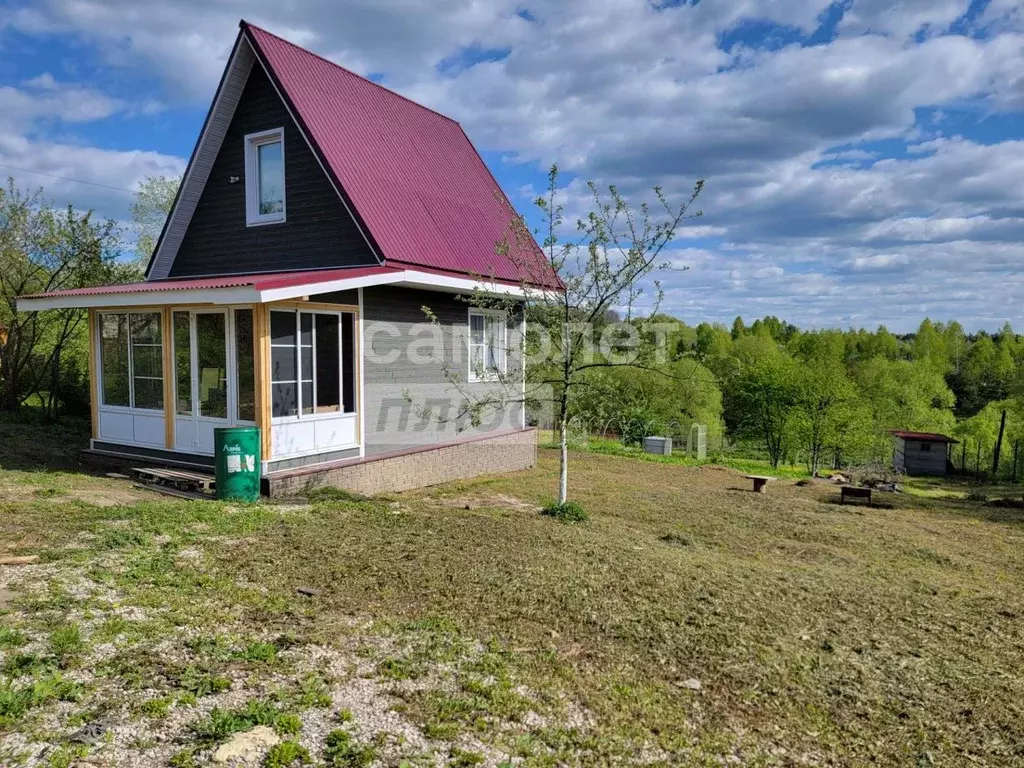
point(921, 453)
point(319, 214)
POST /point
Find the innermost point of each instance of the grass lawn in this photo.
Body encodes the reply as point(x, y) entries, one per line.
point(689, 622)
point(613, 447)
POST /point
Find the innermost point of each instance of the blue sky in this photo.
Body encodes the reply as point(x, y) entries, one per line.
point(864, 159)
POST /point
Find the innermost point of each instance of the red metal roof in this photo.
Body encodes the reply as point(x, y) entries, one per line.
point(411, 174)
point(926, 437)
point(259, 282)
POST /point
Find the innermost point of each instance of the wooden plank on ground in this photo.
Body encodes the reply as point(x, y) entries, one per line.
point(176, 492)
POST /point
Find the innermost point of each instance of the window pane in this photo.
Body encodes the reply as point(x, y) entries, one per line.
point(182, 364)
point(114, 358)
point(307, 397)
point(284, 400)
point(494, 346)
point(149, 393)
point(306, 369)
point(348, 362)
point(147, 361)
point(306, 326)
point(282, 364)
point(246, 365)
point(328, 364)
point(211, 353)
point(306, 374)
point(282, 328)
point(476, 329)
point(476, 359)
point(270, 159)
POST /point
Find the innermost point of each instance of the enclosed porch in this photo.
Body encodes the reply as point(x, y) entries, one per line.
point(164, 378)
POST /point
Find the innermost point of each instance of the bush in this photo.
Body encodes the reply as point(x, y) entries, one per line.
point(569, 512)
point(341, 752)
point(285, 754)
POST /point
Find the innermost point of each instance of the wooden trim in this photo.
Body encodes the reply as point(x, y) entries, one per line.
point(170, 375)
point(314, 305)
point(261, 358)
point(357, 353)
point(94, 381)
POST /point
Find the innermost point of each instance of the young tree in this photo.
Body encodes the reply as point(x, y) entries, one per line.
point(43, 248)
point(603, 268)
point(152, 205)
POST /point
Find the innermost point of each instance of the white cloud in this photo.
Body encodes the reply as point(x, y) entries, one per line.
point(43, 98)
point(903, 19)
point(56, 167)
point(805, 217)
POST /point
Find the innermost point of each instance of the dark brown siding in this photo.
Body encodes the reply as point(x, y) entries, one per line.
point(319, 231)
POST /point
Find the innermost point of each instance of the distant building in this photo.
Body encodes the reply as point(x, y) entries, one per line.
point(921, 453)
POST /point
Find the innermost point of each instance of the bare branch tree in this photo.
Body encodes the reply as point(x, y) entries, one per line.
point(572, 289)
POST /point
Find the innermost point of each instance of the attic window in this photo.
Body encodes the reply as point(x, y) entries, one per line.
point(264, 177)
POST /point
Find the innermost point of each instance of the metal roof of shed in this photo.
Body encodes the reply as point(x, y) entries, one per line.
point(924, 437)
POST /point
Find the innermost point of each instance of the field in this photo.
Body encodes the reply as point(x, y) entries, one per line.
point(689, 622)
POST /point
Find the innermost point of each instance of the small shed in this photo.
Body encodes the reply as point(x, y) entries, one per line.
point(921, 453)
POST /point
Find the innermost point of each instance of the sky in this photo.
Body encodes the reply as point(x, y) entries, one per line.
point(864, 160)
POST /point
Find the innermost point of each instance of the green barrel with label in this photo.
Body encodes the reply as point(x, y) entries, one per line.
point(237, 456)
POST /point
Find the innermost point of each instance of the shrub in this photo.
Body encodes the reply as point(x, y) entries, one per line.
point(285, 754)
point(11, 638)
point(288, 724)
point(569, 512)
point(340, 752)
point(66, 642)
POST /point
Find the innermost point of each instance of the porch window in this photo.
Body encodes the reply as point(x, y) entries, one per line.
point(312, 363)
point(264, 177)
point(486, 344)
point(245, 365)
point(131, 360)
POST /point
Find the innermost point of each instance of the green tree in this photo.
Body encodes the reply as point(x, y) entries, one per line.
point(153, 201)
point(827, 399)
point(906, 394)
point(764, 396)
point(605, 264)
point(43, 248)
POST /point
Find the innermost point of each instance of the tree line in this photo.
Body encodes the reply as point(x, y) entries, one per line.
point(825, 398)
point(44, 247)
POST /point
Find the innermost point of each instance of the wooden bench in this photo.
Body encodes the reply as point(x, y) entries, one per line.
point(760, 482)
point(850, 492)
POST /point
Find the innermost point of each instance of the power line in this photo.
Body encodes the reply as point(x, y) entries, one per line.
point(66, 178)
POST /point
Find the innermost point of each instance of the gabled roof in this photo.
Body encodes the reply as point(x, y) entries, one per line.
point(924, 437)
point(409, 175)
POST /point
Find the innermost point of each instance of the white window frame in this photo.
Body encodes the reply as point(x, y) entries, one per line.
point(131, 361)
point(253, 141)
point(299, 415)
point(502, 353)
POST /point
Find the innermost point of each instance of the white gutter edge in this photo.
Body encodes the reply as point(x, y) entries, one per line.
point(249, 295)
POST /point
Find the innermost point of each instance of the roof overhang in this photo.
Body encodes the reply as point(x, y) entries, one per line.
point(260, 289)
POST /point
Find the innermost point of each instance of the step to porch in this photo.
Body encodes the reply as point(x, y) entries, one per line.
point(176, 482)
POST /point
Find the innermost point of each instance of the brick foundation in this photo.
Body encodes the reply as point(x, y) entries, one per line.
point(403, 470)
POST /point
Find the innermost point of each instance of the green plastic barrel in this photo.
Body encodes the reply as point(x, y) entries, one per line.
point(237, 456)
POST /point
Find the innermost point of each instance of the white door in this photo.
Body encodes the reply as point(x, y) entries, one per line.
point(204, 378)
